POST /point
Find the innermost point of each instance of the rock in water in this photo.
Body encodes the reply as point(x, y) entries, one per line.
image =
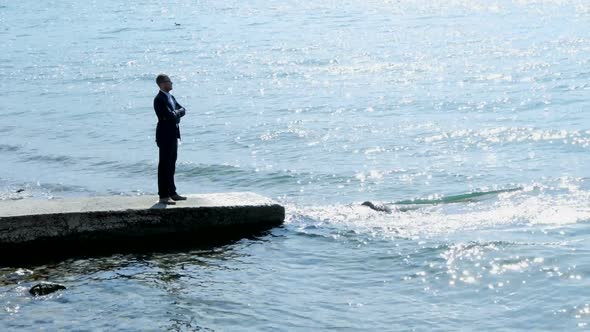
point(379, 207)
point(45, 288)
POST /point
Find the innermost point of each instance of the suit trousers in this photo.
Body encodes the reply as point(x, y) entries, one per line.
point(167, 167)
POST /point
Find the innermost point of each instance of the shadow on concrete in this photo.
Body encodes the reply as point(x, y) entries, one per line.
point(159, 205)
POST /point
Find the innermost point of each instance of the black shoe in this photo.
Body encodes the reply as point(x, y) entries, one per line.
point(166, 200)
point(177, 197)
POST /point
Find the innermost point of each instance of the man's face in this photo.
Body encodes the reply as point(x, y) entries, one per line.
point(166, 85)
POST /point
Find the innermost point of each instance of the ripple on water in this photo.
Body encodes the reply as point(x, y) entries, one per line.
point(9, 148)
point(390, 100)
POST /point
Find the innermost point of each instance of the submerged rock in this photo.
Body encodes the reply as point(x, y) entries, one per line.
point(378, 207)
point(45, 288)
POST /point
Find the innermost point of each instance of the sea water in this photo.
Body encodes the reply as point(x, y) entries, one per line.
point(468, 118)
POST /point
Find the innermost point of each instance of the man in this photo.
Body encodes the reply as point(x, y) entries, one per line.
point(169, 112)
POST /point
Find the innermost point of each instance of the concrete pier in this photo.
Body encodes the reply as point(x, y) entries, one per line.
point(32, 229)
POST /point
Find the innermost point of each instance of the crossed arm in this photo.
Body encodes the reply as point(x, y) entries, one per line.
point(165, 113)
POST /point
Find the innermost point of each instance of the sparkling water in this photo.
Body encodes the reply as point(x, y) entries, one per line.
point(468, 119)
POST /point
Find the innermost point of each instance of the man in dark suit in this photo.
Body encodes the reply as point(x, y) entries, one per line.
point(169, 112)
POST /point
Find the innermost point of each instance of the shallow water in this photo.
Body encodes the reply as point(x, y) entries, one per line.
point(415, 105)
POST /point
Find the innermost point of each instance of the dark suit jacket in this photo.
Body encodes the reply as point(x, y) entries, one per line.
point(167, 129)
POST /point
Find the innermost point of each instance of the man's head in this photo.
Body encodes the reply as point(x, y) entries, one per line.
point(164, 82)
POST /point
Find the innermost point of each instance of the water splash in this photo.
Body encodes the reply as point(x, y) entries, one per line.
point(532, 205)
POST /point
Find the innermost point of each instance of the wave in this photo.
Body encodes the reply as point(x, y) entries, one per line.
point(59, 159)
point(505, 135)
point(9, 148)
point(118, 30)
point(17, 191)
point(533, 206)
point(235, 176)
point(7, 129)
point(469, 197)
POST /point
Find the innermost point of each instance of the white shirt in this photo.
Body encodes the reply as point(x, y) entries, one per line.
point(170, 100)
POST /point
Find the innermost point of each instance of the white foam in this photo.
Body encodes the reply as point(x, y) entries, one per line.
point(532, 206)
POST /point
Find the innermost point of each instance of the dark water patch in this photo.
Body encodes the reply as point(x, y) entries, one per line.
point(583, 75)
point(104, 37)
point(53, 159)
point(119, 168)
point(140, 167)
point(124, 169)
point(270, 180)
point(105, 163)
point(33, 26)
point(9, 148)
point(172, 28)
point(211, 171)
point(253, 178)
point(62, 160)
point(12, 113)
point(119, 30)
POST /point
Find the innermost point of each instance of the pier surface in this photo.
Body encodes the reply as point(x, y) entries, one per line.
point(117, 223)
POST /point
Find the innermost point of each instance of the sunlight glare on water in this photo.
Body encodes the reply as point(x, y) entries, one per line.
point(467, 119)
